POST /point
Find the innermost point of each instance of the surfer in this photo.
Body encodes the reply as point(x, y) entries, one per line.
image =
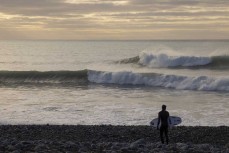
point(163, 117)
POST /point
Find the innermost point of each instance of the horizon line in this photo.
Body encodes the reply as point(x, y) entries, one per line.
point(114, 39)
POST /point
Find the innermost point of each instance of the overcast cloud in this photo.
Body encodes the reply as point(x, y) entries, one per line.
point(114, 19)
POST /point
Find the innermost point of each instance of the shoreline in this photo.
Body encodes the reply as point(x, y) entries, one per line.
point(105, 138)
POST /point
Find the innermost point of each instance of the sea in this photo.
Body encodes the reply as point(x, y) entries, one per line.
point(114, 82)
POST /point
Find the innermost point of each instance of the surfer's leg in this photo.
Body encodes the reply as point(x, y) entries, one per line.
point(166, 135)
point(161, 134)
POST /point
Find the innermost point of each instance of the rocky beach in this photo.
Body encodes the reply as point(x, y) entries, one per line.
point(107, 138)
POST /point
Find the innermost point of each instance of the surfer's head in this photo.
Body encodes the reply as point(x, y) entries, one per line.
point(163, 107)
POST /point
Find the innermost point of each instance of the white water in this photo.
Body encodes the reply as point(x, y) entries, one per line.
point(157, 80)
point(163, 60)
point(129, 94)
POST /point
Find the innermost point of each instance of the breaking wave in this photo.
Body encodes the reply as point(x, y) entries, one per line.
point(164, 60)
point(160, 80)
point(204, 83)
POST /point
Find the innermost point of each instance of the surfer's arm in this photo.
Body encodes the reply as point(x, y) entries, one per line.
point(170, 121)
point(159, 119)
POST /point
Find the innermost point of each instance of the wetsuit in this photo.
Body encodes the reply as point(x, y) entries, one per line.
point(163, 117)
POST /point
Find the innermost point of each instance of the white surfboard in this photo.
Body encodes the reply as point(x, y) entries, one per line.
point(174, 121)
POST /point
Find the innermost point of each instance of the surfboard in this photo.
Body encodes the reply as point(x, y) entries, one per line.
point(174, 121)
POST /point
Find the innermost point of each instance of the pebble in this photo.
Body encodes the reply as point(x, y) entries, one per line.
point(117, 147)
point(136, 144)
point(53, 138)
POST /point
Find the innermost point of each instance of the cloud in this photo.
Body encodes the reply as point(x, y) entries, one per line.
point(111, 18)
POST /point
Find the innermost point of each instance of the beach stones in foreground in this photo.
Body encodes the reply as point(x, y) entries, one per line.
point(107, 138)
point(109, 147)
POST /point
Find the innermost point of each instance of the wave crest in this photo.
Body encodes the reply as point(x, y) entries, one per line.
point(121, 78)
point(163, 60)
point(130, 60)
point(21, 77)
point(160, 80)
point(220, 62)
point(166, 61)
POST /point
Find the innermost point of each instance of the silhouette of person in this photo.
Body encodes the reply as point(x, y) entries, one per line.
point(163, 118)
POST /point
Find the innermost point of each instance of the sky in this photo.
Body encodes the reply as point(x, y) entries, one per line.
point(114, 19)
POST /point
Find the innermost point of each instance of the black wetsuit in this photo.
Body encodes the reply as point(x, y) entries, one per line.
point(163, 117)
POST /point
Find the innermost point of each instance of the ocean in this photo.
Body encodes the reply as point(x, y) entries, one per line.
point(114, 82)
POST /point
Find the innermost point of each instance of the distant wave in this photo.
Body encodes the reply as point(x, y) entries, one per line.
point(134, 60)
point(204, 83)
point(23, 77)
point(164, 60)
point(219, 61)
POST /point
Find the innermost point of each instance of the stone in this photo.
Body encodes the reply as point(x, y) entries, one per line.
point(136, 144)
point(227, 145)
point(40, 147)
point(16, 151)
point(11, 148)
point(205, 147)
point(6, 142)
point(182, 146)
point(125, 150)
point(69, 144)
point(83, 150)
point(114, 147)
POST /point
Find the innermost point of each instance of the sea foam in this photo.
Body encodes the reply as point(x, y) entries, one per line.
point(164, 60)
point(121, 78)
point(160, 80)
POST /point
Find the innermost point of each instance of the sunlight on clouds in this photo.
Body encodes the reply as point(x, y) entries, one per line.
point(114, 2)
point(82, 1)
point(120, 2)
point(7, 16)
point(197, 9)
point(116, 19)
